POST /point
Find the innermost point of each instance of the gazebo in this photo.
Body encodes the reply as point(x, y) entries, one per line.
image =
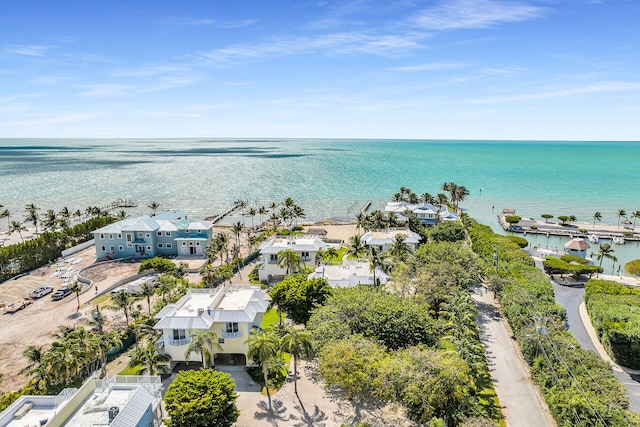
point(577, 246)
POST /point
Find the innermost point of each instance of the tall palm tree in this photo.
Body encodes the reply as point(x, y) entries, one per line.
point(298, 344)
point(210, 275)
point(122, 301)
point(290, 259)
point(50, 220)
point(597, 216)
point(285, 215)
point(262, 211)
point(154, 206)
point(263, 347)
point(6, 214)
point(635, 215)
point(222, 241)
point(237, 229)
point(621, 214)
point(147, 290)
point(399, 249)
point(375, 262)
point(203, 342)
point(252, 213)
point(211, 251)
point(614, 259)
point(32, 217)
point(605, 251)
point(356, 246)
point(428, 198)
point(152, 360)
point(242, 204)
point(76, 288)
point(17, 227)
point(122, 214)
point(329, 254)
point(298, 213)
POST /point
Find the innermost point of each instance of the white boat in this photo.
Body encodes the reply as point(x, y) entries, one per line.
point(618, 240)
point(593, 238)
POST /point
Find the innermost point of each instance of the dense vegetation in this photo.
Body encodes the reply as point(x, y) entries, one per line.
point(26, 256)
point(202, 398)
point(570, 264)
point(615, 313)
point(417, 345)
point(577, 385)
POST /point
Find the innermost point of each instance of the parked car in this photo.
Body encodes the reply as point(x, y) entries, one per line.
point(40, 291)
point(18, 305)
point(60, 293)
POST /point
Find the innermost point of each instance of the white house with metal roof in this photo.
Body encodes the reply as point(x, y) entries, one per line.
point(426, 213)
point(120, 401)
point(348, 275)
point(382, 240)
point(307, 246)
point(232, 312)
point(169, 233)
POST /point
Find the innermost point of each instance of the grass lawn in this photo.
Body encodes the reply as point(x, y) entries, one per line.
point(271, 318)
point(131, 370)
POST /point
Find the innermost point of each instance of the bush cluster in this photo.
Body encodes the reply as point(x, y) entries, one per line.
point(615, 313)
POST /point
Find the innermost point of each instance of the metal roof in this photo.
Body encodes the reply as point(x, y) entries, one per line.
point(132, 412)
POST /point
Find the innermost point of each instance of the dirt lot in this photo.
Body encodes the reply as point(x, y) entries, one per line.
point(36, 324)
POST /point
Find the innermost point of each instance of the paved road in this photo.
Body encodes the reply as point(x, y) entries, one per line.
point(519, 398)
point(571, 298)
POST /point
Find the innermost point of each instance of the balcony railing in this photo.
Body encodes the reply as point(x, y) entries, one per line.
point(232, 335)
point(179, 342)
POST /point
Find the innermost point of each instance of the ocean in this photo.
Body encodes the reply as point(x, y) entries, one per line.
point(327, 177)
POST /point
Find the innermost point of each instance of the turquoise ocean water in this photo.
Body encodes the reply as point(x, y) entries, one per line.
point(327, 178)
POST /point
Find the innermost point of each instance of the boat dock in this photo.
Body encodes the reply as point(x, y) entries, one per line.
point(226, 212)
point(570, 229)
point(365, 208)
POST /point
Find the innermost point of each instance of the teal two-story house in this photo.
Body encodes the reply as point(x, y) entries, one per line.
point(169, 233)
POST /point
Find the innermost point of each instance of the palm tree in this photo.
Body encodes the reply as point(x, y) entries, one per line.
point(635, 215)
point(96, 321)
point(65, 213)
point(32, 216)
point(596, 217)
point(76, 288)
point(614, 259)
point(605, 251)
point(375, 261)
point(252, 213)
point(222, 241)
point(262, 211)
point(242, 204)
point(297, 213)
point(298, 344)
point(154, 206)
point(122, 214)
point(285, 215)
point(263, 347)
point(210, 275)
point(122, 301)
point(237, 229)
point(165, 286)
point(6, 214)
point(212, 251)
point(147, 290)
point(152, 360)
point(621, 213)
point(356, 246)
point(427, 198)
point(329, 254)
point(33, 354)
point(290, 259)
point(50, 220)
point(17, 227)
point(399, 249)
point(202, 342)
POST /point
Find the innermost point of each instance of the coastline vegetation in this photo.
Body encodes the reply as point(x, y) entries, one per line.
point(615, 313)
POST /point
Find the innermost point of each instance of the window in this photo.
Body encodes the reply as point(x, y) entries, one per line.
point(129, 245)
point(169, 245)
point(179, 334)
point(128, 237)
point(103, 248)
point(160, 245)
point(120, 248)
point(102, 236)
point(220, 340)
point(110, 236)
point(148, 235)
point(140, 235)
point(184, 243)
point(197, 243)
point(167, 233)
point(148, 248)
point(111, 248)
point(159, 233)
point(119, 236)
point(231, 327)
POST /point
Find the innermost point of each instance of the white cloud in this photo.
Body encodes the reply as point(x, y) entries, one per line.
point(106, 89)
point(27, 50)
point(429, 67)
point(460, 14)
point(200, 22)
point(602, 87)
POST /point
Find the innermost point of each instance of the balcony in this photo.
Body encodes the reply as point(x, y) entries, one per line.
point(232, 335)
point(179, 342)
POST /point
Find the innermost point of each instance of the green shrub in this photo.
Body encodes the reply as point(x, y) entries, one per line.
point(512, 219)
point(520, 241)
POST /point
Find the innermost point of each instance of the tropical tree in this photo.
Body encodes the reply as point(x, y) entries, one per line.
point(76, 288)
point(356, 246)
point(154, 206)
point(399, 249)
point(289, 259)
point(263, 347)
point(34, 355)
point(621, 214)
point(147, 289)
point(50, 220)
point(546, 217)
point(122, 214)
point(605, 251)
point(122, 300)
point(376, 261)
point(635, 215)
point(6, 214)
point(428, 198)
point(222, 243)
point(297, 213)
point(242, 204)
point(329, 254)
point(252, 213)
point(203, 342)
point(32, 215)
point(202, 398)
point(210, 275)
point(237, 229)
point(597, 216)
point(262, 211)
point(632, 268)
point(153, 361)
point(298, 344)
point(17, 227)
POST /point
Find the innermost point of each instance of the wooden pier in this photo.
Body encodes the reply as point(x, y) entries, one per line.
point(227, 211)
point(365, 208)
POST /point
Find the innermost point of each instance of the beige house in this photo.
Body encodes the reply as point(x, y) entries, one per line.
point(307, 246)
point(232, 312)
point(382, 240)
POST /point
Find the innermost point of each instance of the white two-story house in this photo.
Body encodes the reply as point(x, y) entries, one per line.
point(426, 213)
point(382, 240)
point(307, 246)
point(229, 311)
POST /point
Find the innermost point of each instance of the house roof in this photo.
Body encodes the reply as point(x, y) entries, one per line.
point(385, 237)
point(307, 243)
point(352, 274)
point(167, 221)
point(577, 244)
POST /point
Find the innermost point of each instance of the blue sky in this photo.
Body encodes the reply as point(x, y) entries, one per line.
point(438, 69)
